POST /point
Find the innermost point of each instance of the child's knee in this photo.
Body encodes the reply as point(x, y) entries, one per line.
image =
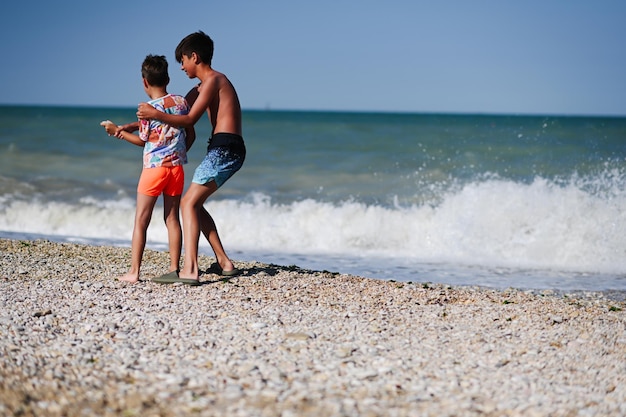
point(171, 219)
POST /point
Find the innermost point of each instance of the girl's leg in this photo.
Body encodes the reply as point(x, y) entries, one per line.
point(143, 214)
point(171, 208)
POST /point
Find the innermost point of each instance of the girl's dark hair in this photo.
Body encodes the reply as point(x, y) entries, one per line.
point(198, 42)
point(154, 70)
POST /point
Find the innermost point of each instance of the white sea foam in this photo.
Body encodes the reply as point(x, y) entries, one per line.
point(490, 223)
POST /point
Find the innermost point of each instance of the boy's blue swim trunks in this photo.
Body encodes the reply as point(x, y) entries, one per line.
point(225, 155)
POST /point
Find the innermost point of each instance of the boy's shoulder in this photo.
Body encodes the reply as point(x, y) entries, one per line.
point(213, 80)
point(208, 75)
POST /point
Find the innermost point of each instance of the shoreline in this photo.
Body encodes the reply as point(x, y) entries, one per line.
point(429, 277)
point(281, 340)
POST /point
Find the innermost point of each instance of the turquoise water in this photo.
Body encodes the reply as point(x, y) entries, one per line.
point(525, 201)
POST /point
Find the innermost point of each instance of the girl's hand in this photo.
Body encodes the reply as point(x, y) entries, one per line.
point(146, 111)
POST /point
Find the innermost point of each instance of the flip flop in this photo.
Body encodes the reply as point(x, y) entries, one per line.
point(232, 273)
point(173, 278)
point(215, 269)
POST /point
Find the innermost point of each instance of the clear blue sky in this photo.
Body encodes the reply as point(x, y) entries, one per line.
point(499, 56)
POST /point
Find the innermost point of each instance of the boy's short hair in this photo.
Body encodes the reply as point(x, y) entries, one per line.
point(154, 70)
point(198, 42)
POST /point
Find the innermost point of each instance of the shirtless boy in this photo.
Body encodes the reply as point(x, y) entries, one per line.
point(225, 153)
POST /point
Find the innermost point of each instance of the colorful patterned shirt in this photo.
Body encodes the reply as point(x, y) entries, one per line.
point(165, 144)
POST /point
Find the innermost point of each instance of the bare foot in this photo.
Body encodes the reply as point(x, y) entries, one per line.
point(129, 277)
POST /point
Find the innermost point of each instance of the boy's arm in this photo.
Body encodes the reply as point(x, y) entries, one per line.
point(114, 130)
point(146, 111)
point(128, 127)
point(190, 136)
point(199, 106)
point(129, 137)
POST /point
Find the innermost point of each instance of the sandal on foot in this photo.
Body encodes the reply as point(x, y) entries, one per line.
point(173, 278)
point(217, 270)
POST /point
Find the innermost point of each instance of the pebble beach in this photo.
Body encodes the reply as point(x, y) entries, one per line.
point(284, 341)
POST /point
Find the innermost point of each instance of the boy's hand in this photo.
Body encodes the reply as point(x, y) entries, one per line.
point(110, 127)
point(146, 111)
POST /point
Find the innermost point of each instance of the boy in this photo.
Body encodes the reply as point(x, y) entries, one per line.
point(164, 154)
point(225, 153)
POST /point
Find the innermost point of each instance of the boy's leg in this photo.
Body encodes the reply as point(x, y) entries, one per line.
point(143, 214)
point(171, 208)
point(195, 220)
point(195, 196)
point(209, 230)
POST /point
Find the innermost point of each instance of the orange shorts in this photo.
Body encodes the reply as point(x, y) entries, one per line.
point(162, 180)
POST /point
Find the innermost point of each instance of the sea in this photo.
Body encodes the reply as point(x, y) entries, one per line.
point(524, 201)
